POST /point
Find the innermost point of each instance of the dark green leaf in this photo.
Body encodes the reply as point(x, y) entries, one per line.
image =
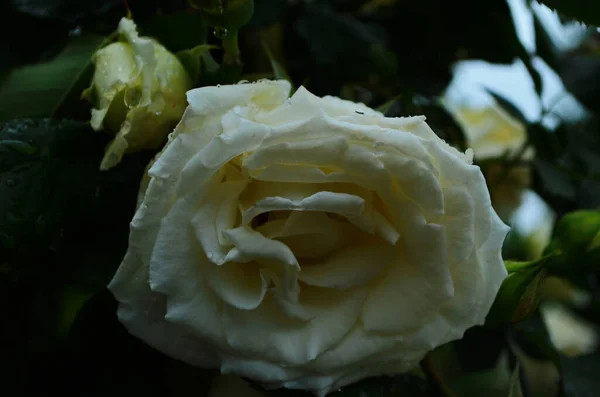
point(519, 294)
point(580, 376)
point(555, 180)
point(587, 11)
point(534, 74)
point(580, 72)
point(178, 31)
point(32, 153)
point(39, 90)
point(279, 71)
point(508, 106)
point(192, 59)
point(267, 12)
point(71, 11)
point(385, 108)
point(532, 336)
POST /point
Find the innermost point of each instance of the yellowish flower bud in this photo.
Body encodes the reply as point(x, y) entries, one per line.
point(138, 91)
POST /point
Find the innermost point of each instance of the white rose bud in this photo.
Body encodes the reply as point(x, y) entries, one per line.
point(308, 242)
point(138, 90)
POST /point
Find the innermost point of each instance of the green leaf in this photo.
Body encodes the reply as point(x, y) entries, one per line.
point(545, 48)
point(385, 108)
point(519, 294)
point(587, 11)
point(191, 59)
point(279, 71)
point(178, 31)
point(31, 153)
point(39, 90)
point(515, 384)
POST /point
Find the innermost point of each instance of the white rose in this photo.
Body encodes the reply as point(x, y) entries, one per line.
point(307, 242)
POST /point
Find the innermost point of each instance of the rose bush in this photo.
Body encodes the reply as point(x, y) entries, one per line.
point(307, 242)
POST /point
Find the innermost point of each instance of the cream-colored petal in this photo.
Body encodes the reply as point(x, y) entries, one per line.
point(459, 220)
point(416, 285)
point(416, 181)
point(347, 205)
point(273, 336)
point(206, 101)
point(458, 173)
point(250, 245)
point(308, 234)
point(353, 265)
point(217, 213)
point(242, 285)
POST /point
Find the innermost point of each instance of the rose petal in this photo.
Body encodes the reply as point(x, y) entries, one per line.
point(414, 287)
point(308, 234)
point(459, 219)
point(216, 214)
point(354, 265)
point(241, 285)
point(250, 245)
point(273, 336)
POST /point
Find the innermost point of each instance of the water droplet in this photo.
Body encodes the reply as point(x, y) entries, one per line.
point(220, 32)
point(11, 182)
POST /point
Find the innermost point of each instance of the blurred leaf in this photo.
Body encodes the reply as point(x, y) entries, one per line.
point(515, 384)
point(587, 11)
point(178, 31)
point(268, 12)
point(385, 108)
point(545, 48)
point(38, 90)
point(554, 180)
point(580, 72)
point(279, 71)
point(334, 40)
point(508, 106)
point(580, 376)
point(69, 10)
point(532, 336)
point(534, 74)
point(192, 59)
